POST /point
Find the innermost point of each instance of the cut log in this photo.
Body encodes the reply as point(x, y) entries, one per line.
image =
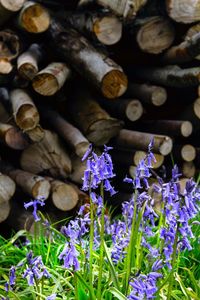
point(7, 189)
point(140, 140)
point(47, 156)
point(191, 33)
point(128, 109)
point(184, 11)
point(36, 134)
point(103, 72)
point(8, 8)
point(49, 80)
point(4, 211)
point(74, 138)
point(63, 195)
point(168, 127)
point(154, 34)
point(34, 17)
point(184, 52)
point(12, 137)
point(78, 168)
point(146, 93)
point(188, 169)
point(186, 152)
point(27, 62)
point(103, 27)
point(24, 110)
point(92, 120)
point(169, 76)
point(192, 113)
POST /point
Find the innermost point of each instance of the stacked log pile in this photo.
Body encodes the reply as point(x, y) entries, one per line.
point(93, 71)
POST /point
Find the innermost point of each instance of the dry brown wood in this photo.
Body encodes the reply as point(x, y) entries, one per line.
point(103, 27)
point(8, 8)
point(184, 11)
point(78, 168)
point(47, 156)
point(49, 80)
point(36, 134)
point(128, 109)
point(186, 152)
point(94, 65)
point(4, 210)
point(188, 169)
point(140, 140)
point(154, 34)
point(169, 76)
point(168, 127)
point(24, 110)
point(9, 49)
point(184, 52)
point(34, 17)
point(192, 31)
point(147, 93)
point(64, 196)
point(27, 62)
point(12, 137)
point(7, 189)
point(95, 123)
point(74, 138)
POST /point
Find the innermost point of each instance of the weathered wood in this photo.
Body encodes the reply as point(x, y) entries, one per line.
point(24, 110)
point(184, 11)
point(27, 62)
point(140, 140)
point(188, 169)
point(4, 210)
point(169, 76)
point(184, 52)
point(168, 127)
point(49, 80)
point(185, 152)
point(192, 113)
point(63, 195)
point(97, 68)
point(47, 156)
point(36, 134)
point(154, 34)
point(12, 137)
point(74, 138)
point(191, 33)
point(34, 17)
point(78, 168)
point(8, 8)
point(103, 27)
point(147, 93)
point(95, 123)
point(7, 189)
point(128, 109)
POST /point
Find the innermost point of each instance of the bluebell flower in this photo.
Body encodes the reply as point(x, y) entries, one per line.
point(35, 204)
point(51, 297)
point(70, 256)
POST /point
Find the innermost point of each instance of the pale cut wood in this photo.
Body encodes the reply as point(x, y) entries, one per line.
point(49, 80)
point(95, 123)
point(36, 134)
point(8, 8)
point(183, 52)
point(74, 138)
point(24, 110)
point(184, 11)
point(82, 196)
point(27, 62)
point(188, 152)
point(47, 156)
point(188, 169)
point(36, 186)
point(192, 31)
point(154, 34)
point(7, 188)
point(34, 17)
point(100, 70)
point(192, 113)
point(4, 210)
point(103, 27)
point(130, 109)
point(140, 140)
point(168, 127)
point(147, 93)
point(173, 76)
point(78, 168)
point(12, 137)
point(63, 195)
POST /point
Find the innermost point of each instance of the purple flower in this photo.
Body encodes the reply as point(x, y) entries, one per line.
point(12, 277)
point(34, 203)
point(70, 256)
point(87, 153)
point(51, 297)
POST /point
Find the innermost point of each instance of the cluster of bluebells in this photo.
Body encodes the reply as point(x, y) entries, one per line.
point(35, 269)
point(35, 203)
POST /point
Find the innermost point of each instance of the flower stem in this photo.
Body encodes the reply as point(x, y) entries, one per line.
point(171, 279)
point(101, 258)
point(91, 243)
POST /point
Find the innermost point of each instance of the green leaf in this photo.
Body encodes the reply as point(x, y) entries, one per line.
point(115, 292)
point(84, 283)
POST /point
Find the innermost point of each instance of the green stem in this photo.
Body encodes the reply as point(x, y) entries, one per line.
point(101, 258)
point(91, 243)
point(171, 279)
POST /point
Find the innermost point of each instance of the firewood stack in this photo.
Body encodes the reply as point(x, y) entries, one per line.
point(93, 71)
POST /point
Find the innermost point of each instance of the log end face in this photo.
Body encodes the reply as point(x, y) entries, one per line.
point(27, 117)
point(27, 71)
point(5, 66)
point(16, 139)
point(65, 197)
point(4, 211)
point(7, 188)
point(45, 84)
point(159, 96)
point(114, 84)
point(41, 189)
point(166, 146)
point(13, 5)
point(186, 128)
point(81, 148)
point(134, 110)
point(188, 152)
point(184, 11)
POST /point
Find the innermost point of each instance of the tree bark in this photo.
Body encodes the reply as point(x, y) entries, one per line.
point(100, 70)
